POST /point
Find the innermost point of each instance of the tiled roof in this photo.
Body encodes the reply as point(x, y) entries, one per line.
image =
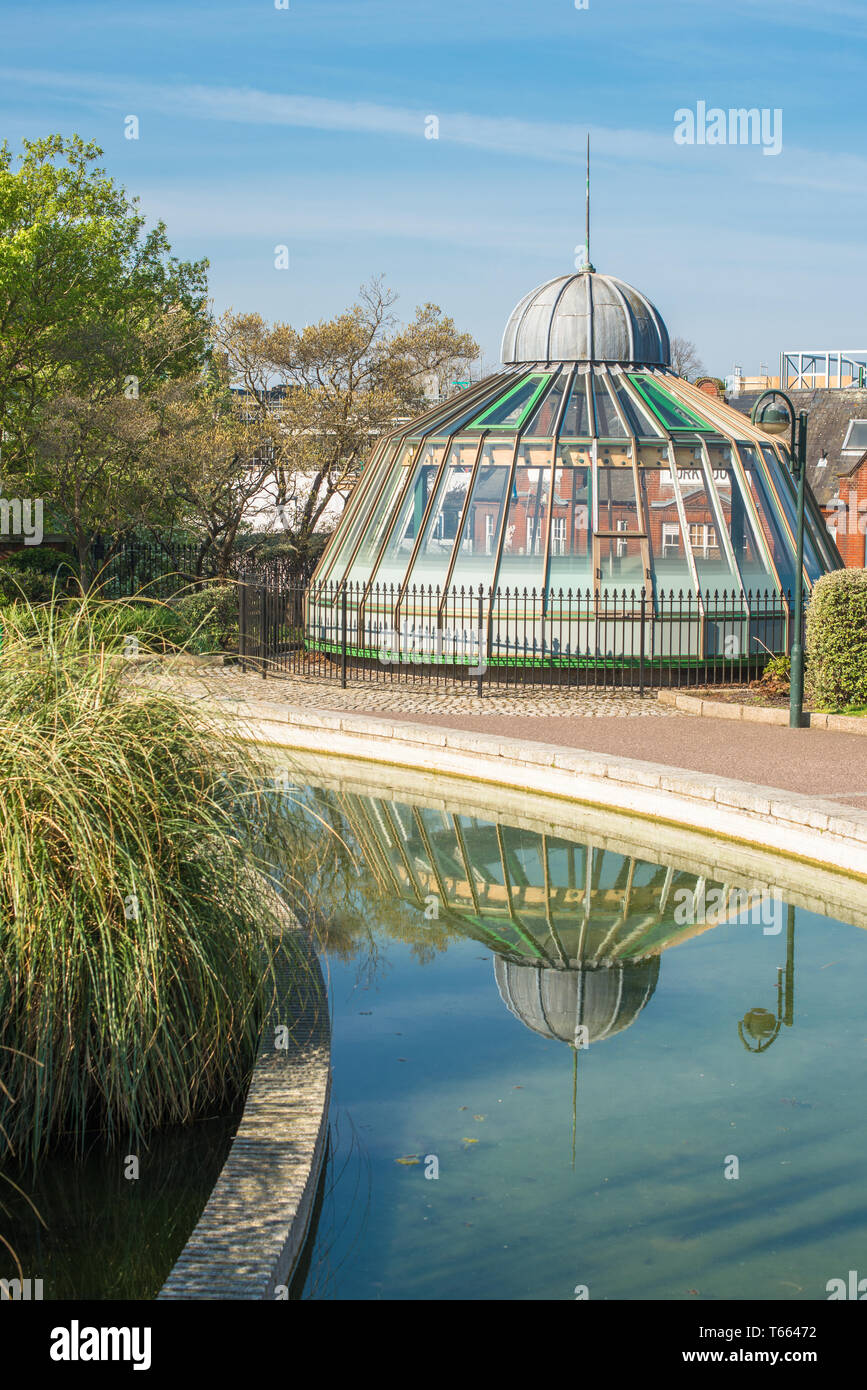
point(830, 413)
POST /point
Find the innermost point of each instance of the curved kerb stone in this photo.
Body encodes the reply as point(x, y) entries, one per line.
point(252, 1231)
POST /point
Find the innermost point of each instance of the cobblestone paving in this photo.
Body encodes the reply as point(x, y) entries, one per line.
point(362, 697)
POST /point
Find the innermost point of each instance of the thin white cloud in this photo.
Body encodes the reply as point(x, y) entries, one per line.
point(559, 142)
point(247, 105)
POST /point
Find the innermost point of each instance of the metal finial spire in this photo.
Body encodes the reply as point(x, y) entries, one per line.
point(588, 265)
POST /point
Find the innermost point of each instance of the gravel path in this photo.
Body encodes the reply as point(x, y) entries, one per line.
point(363, 697)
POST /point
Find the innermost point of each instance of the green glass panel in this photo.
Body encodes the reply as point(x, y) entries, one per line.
point(667, 409)
point(544, 418)
point(511, 410)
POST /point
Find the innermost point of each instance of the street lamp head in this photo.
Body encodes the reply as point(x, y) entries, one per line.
point(759, 1023)
point(773, 418)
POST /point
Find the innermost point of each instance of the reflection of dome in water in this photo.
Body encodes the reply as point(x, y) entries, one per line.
point(586, 317)
point(554, 1003)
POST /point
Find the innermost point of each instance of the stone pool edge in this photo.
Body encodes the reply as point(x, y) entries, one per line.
point(250, 1235)
point(795, 825)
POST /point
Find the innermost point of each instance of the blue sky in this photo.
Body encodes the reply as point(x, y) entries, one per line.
point(305, 127)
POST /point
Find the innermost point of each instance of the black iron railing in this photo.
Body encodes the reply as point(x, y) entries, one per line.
point(163, 569)
point(482, 638)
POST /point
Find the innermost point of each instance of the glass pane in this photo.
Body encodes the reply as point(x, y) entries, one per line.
point(477, 555)
point(673, 414)
point(708, 550)
point(402, 539)
point(356, 512)
point(374, 520)
point(525, 539)
point(618, 505)
point(432, 561)
point(622, 565)
point(668, 562)
point(641, 423)
point(608, 425)
point(777, 541)
point(856, 437)
point(514, 405)
point(756, 575)
point(571, 551)
point(452, 421)
point(544, 417)
point(787, 491)
point(576, 421)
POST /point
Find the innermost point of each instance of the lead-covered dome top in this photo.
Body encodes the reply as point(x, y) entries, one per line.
point(555, 1003)
point(586, 317)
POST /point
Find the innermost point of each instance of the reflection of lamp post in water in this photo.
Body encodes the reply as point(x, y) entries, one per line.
point(759, 1026)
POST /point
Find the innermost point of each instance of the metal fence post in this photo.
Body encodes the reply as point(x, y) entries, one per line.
point(343, 636)
point(263, 629)
point(641, 644)
point(480, 676)
point(242, 624)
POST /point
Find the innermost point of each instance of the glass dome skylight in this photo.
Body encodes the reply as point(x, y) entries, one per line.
point(610, 480)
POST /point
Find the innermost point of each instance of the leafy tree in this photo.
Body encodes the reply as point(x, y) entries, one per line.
point(209, 463)
point(95, 312)
point(342, 384)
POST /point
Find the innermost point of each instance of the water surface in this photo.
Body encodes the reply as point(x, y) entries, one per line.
point(529, 1016)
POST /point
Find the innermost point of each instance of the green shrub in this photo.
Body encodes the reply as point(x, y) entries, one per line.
point(208, 617)
point(776, 677)
point(837, 640)
point(35, 573)
point(135, 938)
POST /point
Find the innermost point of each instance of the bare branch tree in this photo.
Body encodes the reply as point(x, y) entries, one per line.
point(685, 359)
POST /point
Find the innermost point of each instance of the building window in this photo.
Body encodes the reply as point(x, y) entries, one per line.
point(703, 539)
point(670, 538)
point(856, 437)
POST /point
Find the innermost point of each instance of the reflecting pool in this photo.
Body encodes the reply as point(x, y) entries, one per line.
point(568, 1066)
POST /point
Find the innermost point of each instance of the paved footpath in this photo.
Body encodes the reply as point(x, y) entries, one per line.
point(816, 762)
point(819, 762)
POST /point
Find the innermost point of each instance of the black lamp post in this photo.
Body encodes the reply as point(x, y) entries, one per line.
point(776, 419)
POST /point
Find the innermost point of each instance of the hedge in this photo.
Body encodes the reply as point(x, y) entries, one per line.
point(837, 640)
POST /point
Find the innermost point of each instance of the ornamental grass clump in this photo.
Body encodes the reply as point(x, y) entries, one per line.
point(136, 932)
point(837, 640)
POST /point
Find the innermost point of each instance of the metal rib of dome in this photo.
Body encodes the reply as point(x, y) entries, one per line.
point(586, 317)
